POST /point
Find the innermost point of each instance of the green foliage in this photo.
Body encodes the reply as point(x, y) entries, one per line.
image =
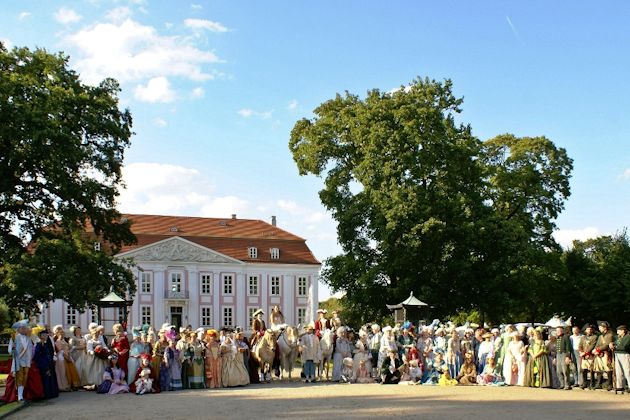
point(598, 280)
point(424, 206)
point(61, 151)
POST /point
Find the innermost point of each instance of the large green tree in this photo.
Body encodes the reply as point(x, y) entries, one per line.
point(423, 205)
point(598, 280)
point(61, 150)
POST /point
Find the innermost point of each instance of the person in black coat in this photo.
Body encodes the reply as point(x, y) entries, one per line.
point(390, 369)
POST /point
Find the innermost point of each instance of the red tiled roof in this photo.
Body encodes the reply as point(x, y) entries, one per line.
point(230, 237)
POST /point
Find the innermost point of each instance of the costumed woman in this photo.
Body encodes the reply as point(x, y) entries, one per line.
point(342, 350)
point(67, 375)
point(113, 378)
point(120, 344)
point(172, 361)
point(96, 359)
point(233, 372)
point(158, 359)
point(137, 348)
point(196, 378)
point(78, 353)
point(213, 360)
point(538, 372)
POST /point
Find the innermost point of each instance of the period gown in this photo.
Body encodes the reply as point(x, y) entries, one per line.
point(159, 368)
point(121, 347)
point(342, 350)
point(513, 364)
point(67, 375)
point(113, 382)
point(78, 352)
point(213, 365)
point(174, 366)
point(94, 365)
point(32, 391)
point(133, 363)
point(538, 372)
point(233, 372)
point(196, 378)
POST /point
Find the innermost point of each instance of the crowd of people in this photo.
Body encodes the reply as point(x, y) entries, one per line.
point(47, 361)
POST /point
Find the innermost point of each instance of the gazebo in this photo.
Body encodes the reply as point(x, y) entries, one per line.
point(112, 300)
point(407, 310)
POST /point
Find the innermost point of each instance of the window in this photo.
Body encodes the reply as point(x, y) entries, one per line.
point(275, 253)
point(275, 286)
point(206, 284)
point(146, 282)
point(252, 252)
point(176, 282)
point(71, 316)
point(206, 316)
point(97, 246)
point(227, 316)
point(42, 318)
point(94, 315)
point(253, 285)
point(227, 284)
point(302, 286)
point(120, 315)
point(301, 315)
point(250, 314)
point(145, 313)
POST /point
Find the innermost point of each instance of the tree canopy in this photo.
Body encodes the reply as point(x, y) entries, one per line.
point(421, 204)
point(62, 145)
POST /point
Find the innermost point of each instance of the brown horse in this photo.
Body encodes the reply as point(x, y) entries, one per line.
point(264, 352)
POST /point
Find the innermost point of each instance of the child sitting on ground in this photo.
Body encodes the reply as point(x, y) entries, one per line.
point(362, 375)
point(346, 371)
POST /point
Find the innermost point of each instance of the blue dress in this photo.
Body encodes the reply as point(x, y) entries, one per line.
point(43, 358)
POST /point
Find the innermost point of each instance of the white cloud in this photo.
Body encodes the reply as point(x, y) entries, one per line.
point(168, 25)
point(159, 122)
point(247, 112)
point(24, 15)
point(155, 188)
point(294, 209)
point(66, 15)
point(130, 51)
point(119, 14)
point(198, 92)
point(205, 24)
point(565, 237)
point(292, 105)
point(196, 6)
point(158, 89)
point(626, 174)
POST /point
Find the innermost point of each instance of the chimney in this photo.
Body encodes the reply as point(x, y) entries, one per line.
point(233, 217)
point(273, 220)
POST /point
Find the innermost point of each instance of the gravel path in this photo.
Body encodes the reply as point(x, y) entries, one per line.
point(339, 401)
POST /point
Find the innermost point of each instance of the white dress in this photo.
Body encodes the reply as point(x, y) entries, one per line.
point(513, 356)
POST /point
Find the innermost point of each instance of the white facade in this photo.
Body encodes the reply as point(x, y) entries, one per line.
point(183, 283)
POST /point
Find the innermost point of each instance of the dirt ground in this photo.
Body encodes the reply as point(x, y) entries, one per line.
point(282, 399)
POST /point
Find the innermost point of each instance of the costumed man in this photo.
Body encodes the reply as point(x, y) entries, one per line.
point(22, 356)
point(603, 355)
point(309, 347)
point(585, 348)
point(621, 348)
point(375, 346)
point(335, 320)
point(322, 323)
point(563, 358)
point(258, 328)
point(391, 368)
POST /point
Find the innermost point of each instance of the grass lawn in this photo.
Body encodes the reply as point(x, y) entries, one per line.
point(7, 408)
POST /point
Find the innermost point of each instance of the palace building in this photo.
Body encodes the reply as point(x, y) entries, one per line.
point(210, 273)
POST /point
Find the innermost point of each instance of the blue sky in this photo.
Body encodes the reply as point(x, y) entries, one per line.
point(215, 87)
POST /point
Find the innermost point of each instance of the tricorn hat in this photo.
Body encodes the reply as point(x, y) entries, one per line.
point(259, 312)
point(622, 328)
point(603, 324)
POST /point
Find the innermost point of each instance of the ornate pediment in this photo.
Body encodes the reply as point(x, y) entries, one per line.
point(177, 249)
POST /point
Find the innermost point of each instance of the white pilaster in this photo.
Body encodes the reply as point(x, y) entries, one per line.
point(313, 298)
point(288, 299)
point(158, 298)
point(240, 307)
